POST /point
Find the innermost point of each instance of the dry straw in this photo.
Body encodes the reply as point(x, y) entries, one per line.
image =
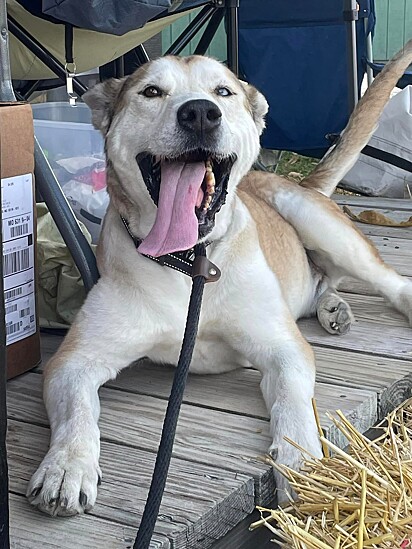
point(356, 499)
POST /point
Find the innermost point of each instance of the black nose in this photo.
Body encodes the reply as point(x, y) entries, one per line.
point(199, 116)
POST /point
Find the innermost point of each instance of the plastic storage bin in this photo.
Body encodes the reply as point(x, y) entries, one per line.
point(75, 151)
point(64, 131)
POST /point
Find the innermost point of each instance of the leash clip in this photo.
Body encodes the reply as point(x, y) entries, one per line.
point(203, 267)
point(70, 74)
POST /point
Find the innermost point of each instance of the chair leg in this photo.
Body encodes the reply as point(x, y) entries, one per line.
point(65, 220)
point(232, 29)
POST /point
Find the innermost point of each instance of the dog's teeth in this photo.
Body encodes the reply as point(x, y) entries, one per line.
point(207, 203)
point(210, 182)
point(334, 326)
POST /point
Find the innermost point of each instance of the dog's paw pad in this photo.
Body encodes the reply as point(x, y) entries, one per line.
point(334, 314)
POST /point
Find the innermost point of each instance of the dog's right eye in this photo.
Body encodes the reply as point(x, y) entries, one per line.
point(152, 91)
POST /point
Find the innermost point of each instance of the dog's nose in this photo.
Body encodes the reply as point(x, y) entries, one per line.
point(199, 116)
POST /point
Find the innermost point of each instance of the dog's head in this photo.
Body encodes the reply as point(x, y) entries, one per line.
point(180, 133)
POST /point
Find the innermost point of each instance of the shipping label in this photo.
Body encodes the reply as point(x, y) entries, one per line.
point(18, 257)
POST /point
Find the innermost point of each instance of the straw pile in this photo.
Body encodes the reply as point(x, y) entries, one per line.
point(362, 498)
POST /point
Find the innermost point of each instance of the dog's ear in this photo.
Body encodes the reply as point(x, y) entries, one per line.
point(101, 100)
point(258, 105)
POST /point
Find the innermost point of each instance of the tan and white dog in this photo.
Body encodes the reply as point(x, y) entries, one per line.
point(282, 249)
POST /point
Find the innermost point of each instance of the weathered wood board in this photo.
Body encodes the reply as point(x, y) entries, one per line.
point(217, 474)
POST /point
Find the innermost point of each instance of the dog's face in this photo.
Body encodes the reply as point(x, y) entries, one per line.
point(185, 130)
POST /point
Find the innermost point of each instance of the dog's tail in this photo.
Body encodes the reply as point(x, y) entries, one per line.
point(362, 123)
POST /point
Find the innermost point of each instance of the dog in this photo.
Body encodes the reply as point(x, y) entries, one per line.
point(181, 136)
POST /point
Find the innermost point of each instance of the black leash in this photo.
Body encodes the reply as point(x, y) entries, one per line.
point(195, 264)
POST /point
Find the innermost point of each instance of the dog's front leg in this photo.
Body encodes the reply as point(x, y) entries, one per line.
point(272, 342)
point(93, 352)
point(288, 378)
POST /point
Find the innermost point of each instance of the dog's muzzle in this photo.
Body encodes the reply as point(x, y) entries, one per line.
point(188, 190)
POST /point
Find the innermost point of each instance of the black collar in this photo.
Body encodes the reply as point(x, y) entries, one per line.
point(185, 261)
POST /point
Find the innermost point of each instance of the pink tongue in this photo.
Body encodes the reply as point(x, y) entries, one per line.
point(176, 225)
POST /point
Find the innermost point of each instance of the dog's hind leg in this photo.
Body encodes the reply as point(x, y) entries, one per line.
point(334, 243)
point(93, 352)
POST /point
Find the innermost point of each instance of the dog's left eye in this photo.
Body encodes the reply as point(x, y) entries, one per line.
point(222, 91)
point(152, 91)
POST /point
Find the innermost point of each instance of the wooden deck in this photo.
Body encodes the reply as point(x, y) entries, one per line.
point(216, 477)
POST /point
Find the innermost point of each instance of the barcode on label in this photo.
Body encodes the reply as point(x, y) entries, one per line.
point(13, 328)
point(16, 262)
point(24, 312)
point(11, 308)
point(19, 230)
point(9, 294)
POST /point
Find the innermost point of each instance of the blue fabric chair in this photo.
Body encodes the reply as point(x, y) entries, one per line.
point(296, 54)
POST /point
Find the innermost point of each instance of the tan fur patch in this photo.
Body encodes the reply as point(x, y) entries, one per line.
point(278, 240)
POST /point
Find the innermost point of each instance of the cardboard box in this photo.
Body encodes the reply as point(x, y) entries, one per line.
point(19, 237)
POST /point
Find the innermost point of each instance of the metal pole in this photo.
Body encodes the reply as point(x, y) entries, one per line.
point(6, 87)
point(141, 54)
point(6, 94)
point(350, 12)
point(209, 32)
point(369, 53)
point(65, 219)
point(232, 33)
point(191, 30)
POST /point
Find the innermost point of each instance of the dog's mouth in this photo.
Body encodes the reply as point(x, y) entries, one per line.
point(188, 191)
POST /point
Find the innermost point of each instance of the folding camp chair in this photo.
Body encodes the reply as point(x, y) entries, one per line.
point(307, 68)
point(42, 47)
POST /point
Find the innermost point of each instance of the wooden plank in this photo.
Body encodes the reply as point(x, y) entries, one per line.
point(367, 337)
point(360, 406)
point(239, 392)
point(376, 310)
point(351, 285)
point(366, 334)
point(359, 370)
point(386, 232)
point(218, 499)
point(228, 441)
point(33, 530)
point(49, 344)
point(391, 379)
point(372, 202)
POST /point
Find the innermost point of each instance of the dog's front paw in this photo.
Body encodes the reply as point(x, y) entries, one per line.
point(65, 484)
point(284, 453)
